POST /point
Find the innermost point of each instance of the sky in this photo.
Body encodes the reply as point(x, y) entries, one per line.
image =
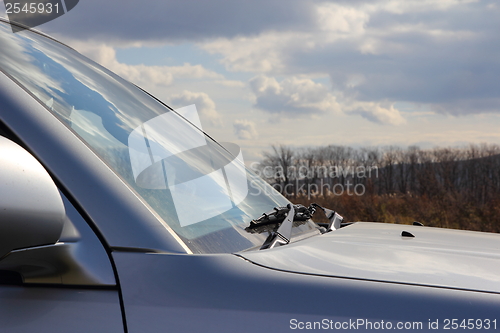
point(306, 73)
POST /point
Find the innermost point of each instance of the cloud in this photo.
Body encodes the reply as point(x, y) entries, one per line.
point(244, 129)
point(231, 83)
point(261, 53)
point(419, 6)
point(442, 54)
point(204, 104)
point(292, 96)
point(462, 107)
point(173, 20)
point(272, 51)
point(300, 97)
point(142, 74)
point(376, 112)
point(341, 19)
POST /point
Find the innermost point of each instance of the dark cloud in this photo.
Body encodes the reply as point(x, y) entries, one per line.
point(462, 107)
point(173, 20)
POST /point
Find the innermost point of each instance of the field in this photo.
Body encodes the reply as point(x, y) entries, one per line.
point(441, 187)
point(446, 212)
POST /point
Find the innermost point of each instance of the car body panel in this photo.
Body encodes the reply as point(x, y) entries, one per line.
point(45, 309)
point(378, 251)
point(216, 293)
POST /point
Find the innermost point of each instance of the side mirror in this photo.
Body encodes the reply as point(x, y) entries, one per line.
point(31, 209)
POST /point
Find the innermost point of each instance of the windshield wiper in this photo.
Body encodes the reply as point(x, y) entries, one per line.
point(334, 218)
point(286, 216)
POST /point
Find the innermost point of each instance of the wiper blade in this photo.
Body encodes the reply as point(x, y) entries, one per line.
point(286, 216)
point(278, 214)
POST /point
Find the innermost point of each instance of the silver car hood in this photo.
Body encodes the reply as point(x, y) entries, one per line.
point(378, 251)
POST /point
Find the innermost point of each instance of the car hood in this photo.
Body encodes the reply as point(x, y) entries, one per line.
point(378, 251)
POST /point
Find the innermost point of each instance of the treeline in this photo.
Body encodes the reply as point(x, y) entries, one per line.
point(447, 187)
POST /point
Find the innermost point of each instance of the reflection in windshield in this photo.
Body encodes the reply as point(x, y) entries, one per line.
point(170, 154)
point(200, 190)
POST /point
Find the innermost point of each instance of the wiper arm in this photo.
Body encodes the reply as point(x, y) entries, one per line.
point(284, 233)
point(334, 218)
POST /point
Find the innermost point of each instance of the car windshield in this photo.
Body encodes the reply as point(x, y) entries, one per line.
point(200, 189)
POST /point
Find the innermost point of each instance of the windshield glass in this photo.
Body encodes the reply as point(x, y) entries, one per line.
point(200, 189)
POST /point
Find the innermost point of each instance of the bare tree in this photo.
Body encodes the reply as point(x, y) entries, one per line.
point(469, 173)
point(280, 159)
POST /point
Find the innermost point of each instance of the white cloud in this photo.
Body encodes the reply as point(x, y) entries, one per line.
point(301, 97)
point(269, 51)
point(245, 129)
point(142, 74)
point(250, 54)
point(417, 6)
point(292, 96)
point(231, 83)
point(341, 19)
point(376, 112)
point(204, 104)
